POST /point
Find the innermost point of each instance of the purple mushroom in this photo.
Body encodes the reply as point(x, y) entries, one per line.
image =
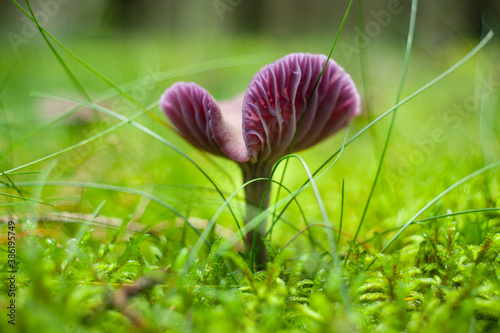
point(257, 128)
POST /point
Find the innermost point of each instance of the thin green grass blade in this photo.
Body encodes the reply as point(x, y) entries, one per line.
point(321, 206)
point(312, 93)
point(263, 214)
point(341, 150)
point(125, 120)
point(81, 143)
point(26, 199)
point(218, 167)
point(210, 65)
point(11, 183)
point(113, 188)
point(213, 220)
point(109, 82)
point(196, 248)
point(24, 173)
point(303, 230)
point(432, 218)
point(341, 213)
point(446, 73)
point(47, 170)
point(198, 68)
point(202, 67)
point(328, 228)
point(70, 74)
point(321, 74)
point(14, 204)
point(365, 78)
point(38, 130)
point(471, 211)
point(433, 201)
point(77, 58)
point(7, 76)
point(3, 83)
point(85, 226)
point(260, 217)
point(409, 43)
point(301, 212)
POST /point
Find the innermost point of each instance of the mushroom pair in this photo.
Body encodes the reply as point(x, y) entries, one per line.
point(304, 93)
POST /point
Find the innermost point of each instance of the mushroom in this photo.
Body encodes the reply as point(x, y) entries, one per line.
point(257, 129)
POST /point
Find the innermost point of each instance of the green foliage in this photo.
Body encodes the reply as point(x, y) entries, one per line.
point(147, 196)
point(436, 275)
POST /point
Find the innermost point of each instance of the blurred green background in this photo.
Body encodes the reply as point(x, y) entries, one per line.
point(145, 46)
point(272, 17)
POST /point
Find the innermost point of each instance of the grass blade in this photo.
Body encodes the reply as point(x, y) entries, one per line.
point(432, 218)
point(433, 201)
point(70, 74)
point(446, 73)
point(125, 120)
point(312, 93)
point(111, 188)
point(26, 199)
point(409, 43)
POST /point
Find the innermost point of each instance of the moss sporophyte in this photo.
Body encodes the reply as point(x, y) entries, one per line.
point(289, 105)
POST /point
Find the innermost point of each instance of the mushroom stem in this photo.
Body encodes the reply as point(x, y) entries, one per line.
point(254, 192)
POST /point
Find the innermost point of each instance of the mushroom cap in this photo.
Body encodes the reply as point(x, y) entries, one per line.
point(260, 126)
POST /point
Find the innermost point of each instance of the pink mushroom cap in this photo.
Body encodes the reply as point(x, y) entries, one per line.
point(259, 126)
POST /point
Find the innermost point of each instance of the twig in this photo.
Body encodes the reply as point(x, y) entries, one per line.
point(121, 298)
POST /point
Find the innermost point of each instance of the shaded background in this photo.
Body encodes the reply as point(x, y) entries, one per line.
point(131, 41)
point(143, 32)
point(437, 19)
point(145, 46)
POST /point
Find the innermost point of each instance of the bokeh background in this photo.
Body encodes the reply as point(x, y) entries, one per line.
point(438, 20)
point(92, 233)
point(145, 46)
